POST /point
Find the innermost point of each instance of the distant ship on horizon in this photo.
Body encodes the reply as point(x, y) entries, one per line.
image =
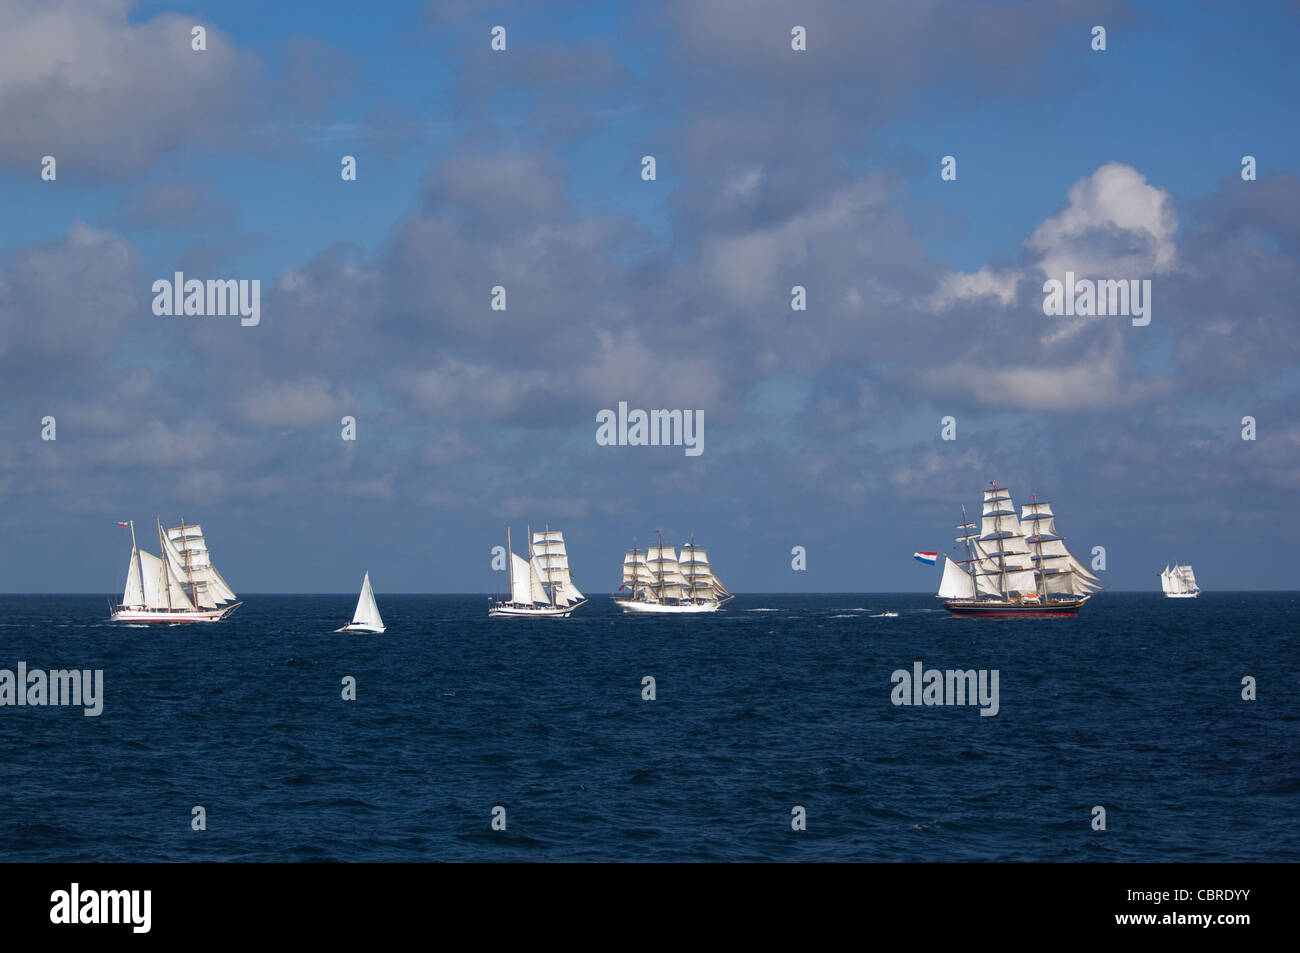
point(542, 585)
point(1009, 572)
point(1179, 582)
point(658, 582)
point(181, 585)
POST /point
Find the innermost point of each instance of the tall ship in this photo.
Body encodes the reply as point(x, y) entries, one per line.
point(1015, 565)
point(1179, 582)
point(541, 586)
point(657, 580)
point(179, 585)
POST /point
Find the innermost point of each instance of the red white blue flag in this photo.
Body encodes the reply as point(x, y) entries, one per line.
point(927, 558)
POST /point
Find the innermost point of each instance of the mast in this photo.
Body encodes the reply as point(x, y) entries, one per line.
point(636, 576)
point(510, 564)
point(1038, 541)
point(194, 590)
point(997, 527)
point(691, 546)
point(550, 587)
point(139, 566)
point(659, 573)
point(970, 556)
point(162, 551)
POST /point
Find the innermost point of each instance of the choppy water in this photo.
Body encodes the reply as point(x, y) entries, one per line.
point(777, 701)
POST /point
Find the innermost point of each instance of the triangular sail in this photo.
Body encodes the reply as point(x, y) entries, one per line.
point(521, 589)
point(367, 613)
point(133, 594)
point(956, 582)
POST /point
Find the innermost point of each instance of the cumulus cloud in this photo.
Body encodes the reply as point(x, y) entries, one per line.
point(1116, 225)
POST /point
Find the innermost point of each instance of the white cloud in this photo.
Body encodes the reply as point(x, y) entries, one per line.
point(1116, 225)
point(959, 286)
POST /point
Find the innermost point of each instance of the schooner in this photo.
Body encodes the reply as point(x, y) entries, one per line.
point(1014, 565)
point(1179, 582)
point(181, 585)
point(658, 581)
point(540, 586)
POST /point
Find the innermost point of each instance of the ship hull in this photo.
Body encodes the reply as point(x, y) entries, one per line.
point(531, 612)
point(1181, 595)
point(122, 614)
point(989, 607)
point(637, 606)
point(368, 629)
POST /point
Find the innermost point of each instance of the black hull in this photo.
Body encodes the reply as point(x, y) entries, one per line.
point(987, 608)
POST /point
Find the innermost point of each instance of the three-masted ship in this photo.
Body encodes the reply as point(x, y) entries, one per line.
point(542, 585)
point(1179, 582)
point(658, 581)
point(1015, 565)
point(180, 585)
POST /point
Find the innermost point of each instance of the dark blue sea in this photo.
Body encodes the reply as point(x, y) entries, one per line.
point(776, 702)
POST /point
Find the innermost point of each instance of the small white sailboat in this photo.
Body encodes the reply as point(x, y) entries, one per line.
point(541, 587)
point(1179, 583)
point(366, 618)
point(181, 585)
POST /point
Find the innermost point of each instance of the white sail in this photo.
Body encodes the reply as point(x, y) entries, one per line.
point(521, 589)
point(1179, 581)
point(536, 584)
point(553, 565)
point(1037, 519)
point(1022, 581)
point(1062, 584)
point(956, 582)
point(175, 592)
point(155, 591)
point(697, 575)
point(669, 582)
point(160, 589)
point(133, 594)
point(189, 560)
point(568, 593)
point(367, 613)
point(637, 575)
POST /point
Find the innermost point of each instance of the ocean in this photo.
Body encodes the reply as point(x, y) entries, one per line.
point(777, 703)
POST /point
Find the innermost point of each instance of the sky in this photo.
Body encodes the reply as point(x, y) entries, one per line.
point(523, 169)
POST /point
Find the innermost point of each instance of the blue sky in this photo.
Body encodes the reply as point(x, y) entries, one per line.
point(775, 168)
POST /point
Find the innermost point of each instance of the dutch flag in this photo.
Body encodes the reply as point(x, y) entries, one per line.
point(928, 558)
